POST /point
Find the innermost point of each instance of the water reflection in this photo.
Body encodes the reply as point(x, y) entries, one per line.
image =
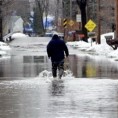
point(34, 59)
point(57, 88)
point(81, 66)
point(33, 65)
point(93, 67)
point(23, 66)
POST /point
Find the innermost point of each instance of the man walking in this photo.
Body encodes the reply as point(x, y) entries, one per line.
point(57, 50)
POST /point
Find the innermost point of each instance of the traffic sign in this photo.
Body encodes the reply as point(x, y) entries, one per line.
point(71, 22)
point(90, 26)
point(65, 23)
point(78, 18)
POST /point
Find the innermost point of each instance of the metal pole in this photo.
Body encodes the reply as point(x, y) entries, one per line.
point(70, 9)
point(1, 38)
point(62, 9)
point(57, 14)
point(99, 24)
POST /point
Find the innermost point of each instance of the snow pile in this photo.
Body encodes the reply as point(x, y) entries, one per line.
point(102, 49)
point(4, 46)
point(18, 35)
point(2, 53)
point(79, 44)
point(5, 49)
point(113, 54)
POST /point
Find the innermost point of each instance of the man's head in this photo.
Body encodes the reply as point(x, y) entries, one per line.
point(55, 36)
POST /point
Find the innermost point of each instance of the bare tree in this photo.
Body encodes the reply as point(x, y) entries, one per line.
point(41, 9)
point(45, 8)
point(5, 12)
point(10, 8)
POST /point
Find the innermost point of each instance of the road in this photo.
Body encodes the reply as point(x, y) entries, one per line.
point(27, 91)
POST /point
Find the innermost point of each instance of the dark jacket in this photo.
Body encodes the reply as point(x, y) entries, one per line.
point(57, 49)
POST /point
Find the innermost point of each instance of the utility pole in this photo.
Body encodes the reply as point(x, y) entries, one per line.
point(63, 9)
point(99, 24)
point(1, 38)
point(70, 9)
point(116, 14)
point(57, 14)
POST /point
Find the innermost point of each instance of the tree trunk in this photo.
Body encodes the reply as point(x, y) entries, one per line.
point(116, 33)
point(83, 16)
point(82, 6)
point(40, 13)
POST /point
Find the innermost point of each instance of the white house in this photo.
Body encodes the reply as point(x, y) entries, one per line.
point(16, 24)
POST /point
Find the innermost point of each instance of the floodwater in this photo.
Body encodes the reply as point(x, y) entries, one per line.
point(86, 94)
point(89, 89)
point(80, 66)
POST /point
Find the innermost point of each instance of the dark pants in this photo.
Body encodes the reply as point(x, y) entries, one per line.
point(59, 66)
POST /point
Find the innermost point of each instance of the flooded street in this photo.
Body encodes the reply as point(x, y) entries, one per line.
point(83, 66)
point(73, 98)
point(26, 90)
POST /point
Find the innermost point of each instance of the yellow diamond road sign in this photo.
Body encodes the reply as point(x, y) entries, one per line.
point(90, 25)
point(71, 22)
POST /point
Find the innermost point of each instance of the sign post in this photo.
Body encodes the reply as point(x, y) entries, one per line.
point(65, 26)
point(78, 18)
point(65, 23)
point(90, 26)
point(1, 39)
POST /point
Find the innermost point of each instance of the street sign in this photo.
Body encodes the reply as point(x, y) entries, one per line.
point(78, 18)
point(71, 22)
point(65, 23)
point(90, 26)
point(91, 34)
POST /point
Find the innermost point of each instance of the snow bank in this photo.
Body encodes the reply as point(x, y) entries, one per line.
point(18, 35)
point(102, 49)
point(103, 39)
point(113, 54)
